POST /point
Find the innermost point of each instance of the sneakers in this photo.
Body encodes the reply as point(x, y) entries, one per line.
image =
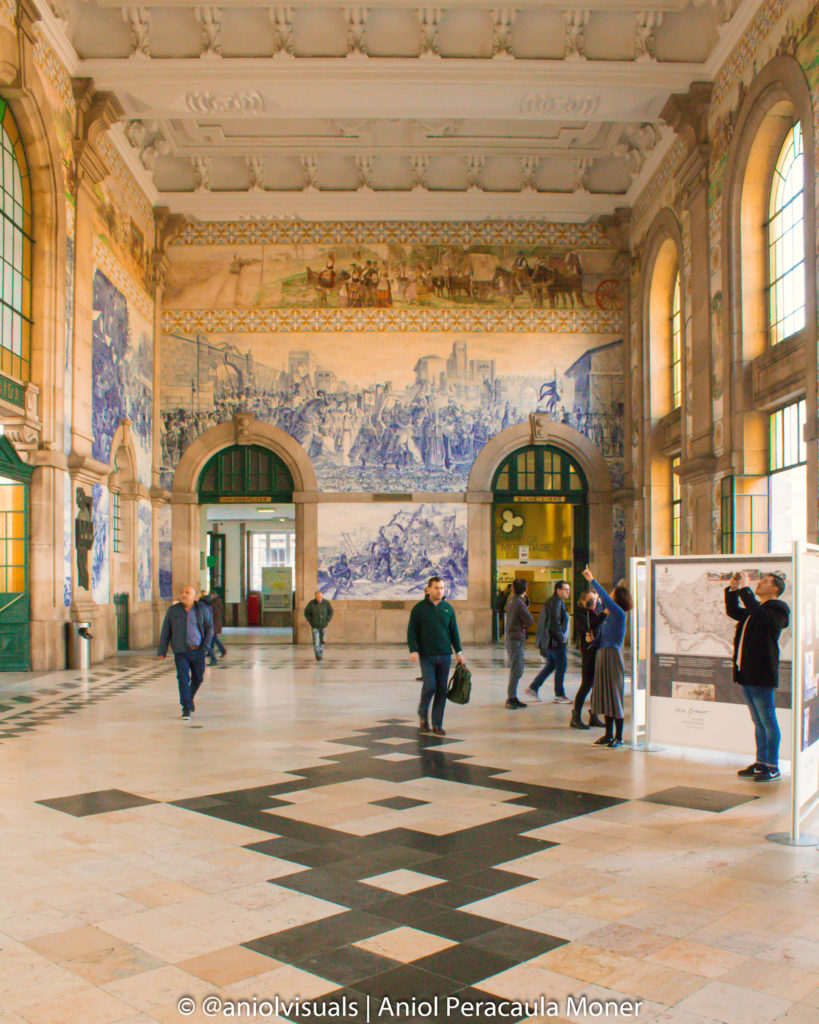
point(751, 770)
point(577, 722)
point(529, 692)
point(767, 774)
point(560, 698)
point(603, 741)
point(186, 716)
point(614, 743)
point(513, 704)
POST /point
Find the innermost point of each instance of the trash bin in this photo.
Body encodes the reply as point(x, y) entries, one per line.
point(253, 608)
point(78, 644)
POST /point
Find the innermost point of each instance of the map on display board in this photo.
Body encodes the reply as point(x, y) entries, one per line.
point(693, 699)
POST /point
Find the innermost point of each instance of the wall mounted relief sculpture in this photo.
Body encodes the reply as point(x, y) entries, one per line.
point(388, 551)
point(404, 413)
point(122, 374)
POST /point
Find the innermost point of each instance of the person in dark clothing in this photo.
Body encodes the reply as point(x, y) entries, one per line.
point(588, 617)
point(432, 635)
point(608, 693)
point(188, 628)
point(518, 621)
point(756, 662)
point(217, 611)
point(500, 607)
point(552, 637)
point(318, 613)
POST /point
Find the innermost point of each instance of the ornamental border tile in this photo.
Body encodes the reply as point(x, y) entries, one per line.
point(589, 236)
point(117, 166)
point(106, 261)
point(746, 49)
point(263, 321)
point(52, 68)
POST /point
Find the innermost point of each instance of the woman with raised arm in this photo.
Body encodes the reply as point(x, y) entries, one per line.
point(609, 674)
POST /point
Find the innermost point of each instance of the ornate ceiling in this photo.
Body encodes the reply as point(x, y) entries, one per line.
point(545, 110)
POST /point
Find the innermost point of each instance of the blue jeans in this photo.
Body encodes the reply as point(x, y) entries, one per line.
point(190, 669)
point(556, 661)
point(216, 642)
point(435, 673)
point(760, 701)
point(318, 642)
point(515, 654)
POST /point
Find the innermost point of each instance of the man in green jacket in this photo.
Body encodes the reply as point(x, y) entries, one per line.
point(432, 635)
point(318, 613)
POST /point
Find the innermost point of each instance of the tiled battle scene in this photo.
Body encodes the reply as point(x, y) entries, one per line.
point(297, 851)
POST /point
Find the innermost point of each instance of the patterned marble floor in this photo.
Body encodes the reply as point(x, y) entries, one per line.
point(297, 852)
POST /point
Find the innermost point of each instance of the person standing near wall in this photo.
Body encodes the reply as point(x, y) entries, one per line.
point(432, 635)
point(318, 613)
point(608, 694)
point(552, 638)
point(188, 628)
point(756, 662)
point(588, 617)
point(518, 620)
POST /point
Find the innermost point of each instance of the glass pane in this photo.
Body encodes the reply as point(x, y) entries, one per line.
point(786, 241)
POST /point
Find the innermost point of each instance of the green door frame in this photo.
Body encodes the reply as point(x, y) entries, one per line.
point(216, 564)
point(570, 472)
point(15, 608)
point(123, 631)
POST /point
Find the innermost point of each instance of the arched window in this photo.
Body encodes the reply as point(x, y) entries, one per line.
point(15, 252)
point(786, 241)
point(245, 471)
point(676, 346)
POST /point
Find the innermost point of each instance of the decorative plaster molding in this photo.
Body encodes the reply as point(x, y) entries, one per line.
point(138, 20)
point(645, 45)
point(247, 102)
point(575, 22)
point(266, 321)
point(580, 236)
point(583, 104)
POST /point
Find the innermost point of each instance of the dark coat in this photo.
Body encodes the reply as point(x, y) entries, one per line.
point(587, 620)
point(518, 619)
point(217, 610)
point(175, 628)
point(552, 624)
point(760, 647)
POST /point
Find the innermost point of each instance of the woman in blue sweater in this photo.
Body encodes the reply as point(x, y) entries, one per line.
point(609, 675)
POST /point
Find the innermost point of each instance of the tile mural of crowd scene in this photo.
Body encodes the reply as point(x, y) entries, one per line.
point(122, 354)
point(384, 274)
point(388, 551)
point(376, 414)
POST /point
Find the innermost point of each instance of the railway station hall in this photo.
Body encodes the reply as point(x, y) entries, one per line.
point(409, 512)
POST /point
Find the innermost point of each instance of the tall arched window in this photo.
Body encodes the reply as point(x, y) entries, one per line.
point(676, 346)
point(786, 241)
point(15, 252)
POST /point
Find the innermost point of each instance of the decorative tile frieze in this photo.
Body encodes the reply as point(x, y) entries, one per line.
point(643, 207)
point(262, 321)
point(117, 167)
point(107, 262)
point(747, 50)
point(587, 236)
point(52, 68)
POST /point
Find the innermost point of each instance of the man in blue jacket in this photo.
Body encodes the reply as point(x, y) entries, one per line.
point(188, 627)
point(432, 635)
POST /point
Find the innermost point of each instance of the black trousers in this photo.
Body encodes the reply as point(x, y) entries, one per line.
point(586, 678)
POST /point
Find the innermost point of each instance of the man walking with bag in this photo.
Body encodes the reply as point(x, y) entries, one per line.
point(188, 628)
point(432, 635)
point(552, 637)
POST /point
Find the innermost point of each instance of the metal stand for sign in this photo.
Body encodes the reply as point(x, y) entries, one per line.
point(637, 738)
point(645, 743)
point(795, 837)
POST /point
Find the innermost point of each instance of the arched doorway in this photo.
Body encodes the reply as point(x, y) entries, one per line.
point(248, 535)
point(15, 479)
point(540, 521)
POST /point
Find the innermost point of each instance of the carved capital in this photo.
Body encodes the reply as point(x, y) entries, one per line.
point(687, 113)
point(96, 112)
point(168, 226)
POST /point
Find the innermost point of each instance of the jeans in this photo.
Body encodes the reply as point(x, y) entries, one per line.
point(515, 654)
point(190, 669)
point(435, 674)
point(216, 642)
point(318, 642)
point(760, 701)
point(556, 661)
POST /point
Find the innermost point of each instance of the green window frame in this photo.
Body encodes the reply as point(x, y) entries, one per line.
point(676, 507)
point(786, 241)
point(726, 510)
point(15, 251)
point(539, 470)
point(116, 521)
point(245, 471)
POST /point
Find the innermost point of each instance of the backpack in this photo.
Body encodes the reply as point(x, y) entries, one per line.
point(460, 685)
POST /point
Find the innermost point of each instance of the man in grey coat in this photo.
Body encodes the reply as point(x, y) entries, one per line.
point(517, 621)
point(188, 628)
point(552, 638)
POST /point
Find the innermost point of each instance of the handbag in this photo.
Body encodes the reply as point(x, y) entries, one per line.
point(460, 685)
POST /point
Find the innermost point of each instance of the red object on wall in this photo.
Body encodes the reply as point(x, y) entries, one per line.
point(254, 605)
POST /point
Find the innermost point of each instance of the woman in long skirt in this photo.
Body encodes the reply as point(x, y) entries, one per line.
point(609, 674)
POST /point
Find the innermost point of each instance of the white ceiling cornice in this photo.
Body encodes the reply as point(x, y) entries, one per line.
point(730, 35)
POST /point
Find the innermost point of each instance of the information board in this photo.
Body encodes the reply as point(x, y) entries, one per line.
point(276, 588)
point(693, 699)
point(808, 637)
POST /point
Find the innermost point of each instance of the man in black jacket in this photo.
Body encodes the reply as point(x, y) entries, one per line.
point(552, 637)
point(188, 627)
point(756, 662)
point(518, 621)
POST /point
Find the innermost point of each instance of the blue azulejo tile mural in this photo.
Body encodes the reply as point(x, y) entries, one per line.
point(122, 374)
point(386, 551)
point(145, 553)
point(163, 526)
point(100, 552)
